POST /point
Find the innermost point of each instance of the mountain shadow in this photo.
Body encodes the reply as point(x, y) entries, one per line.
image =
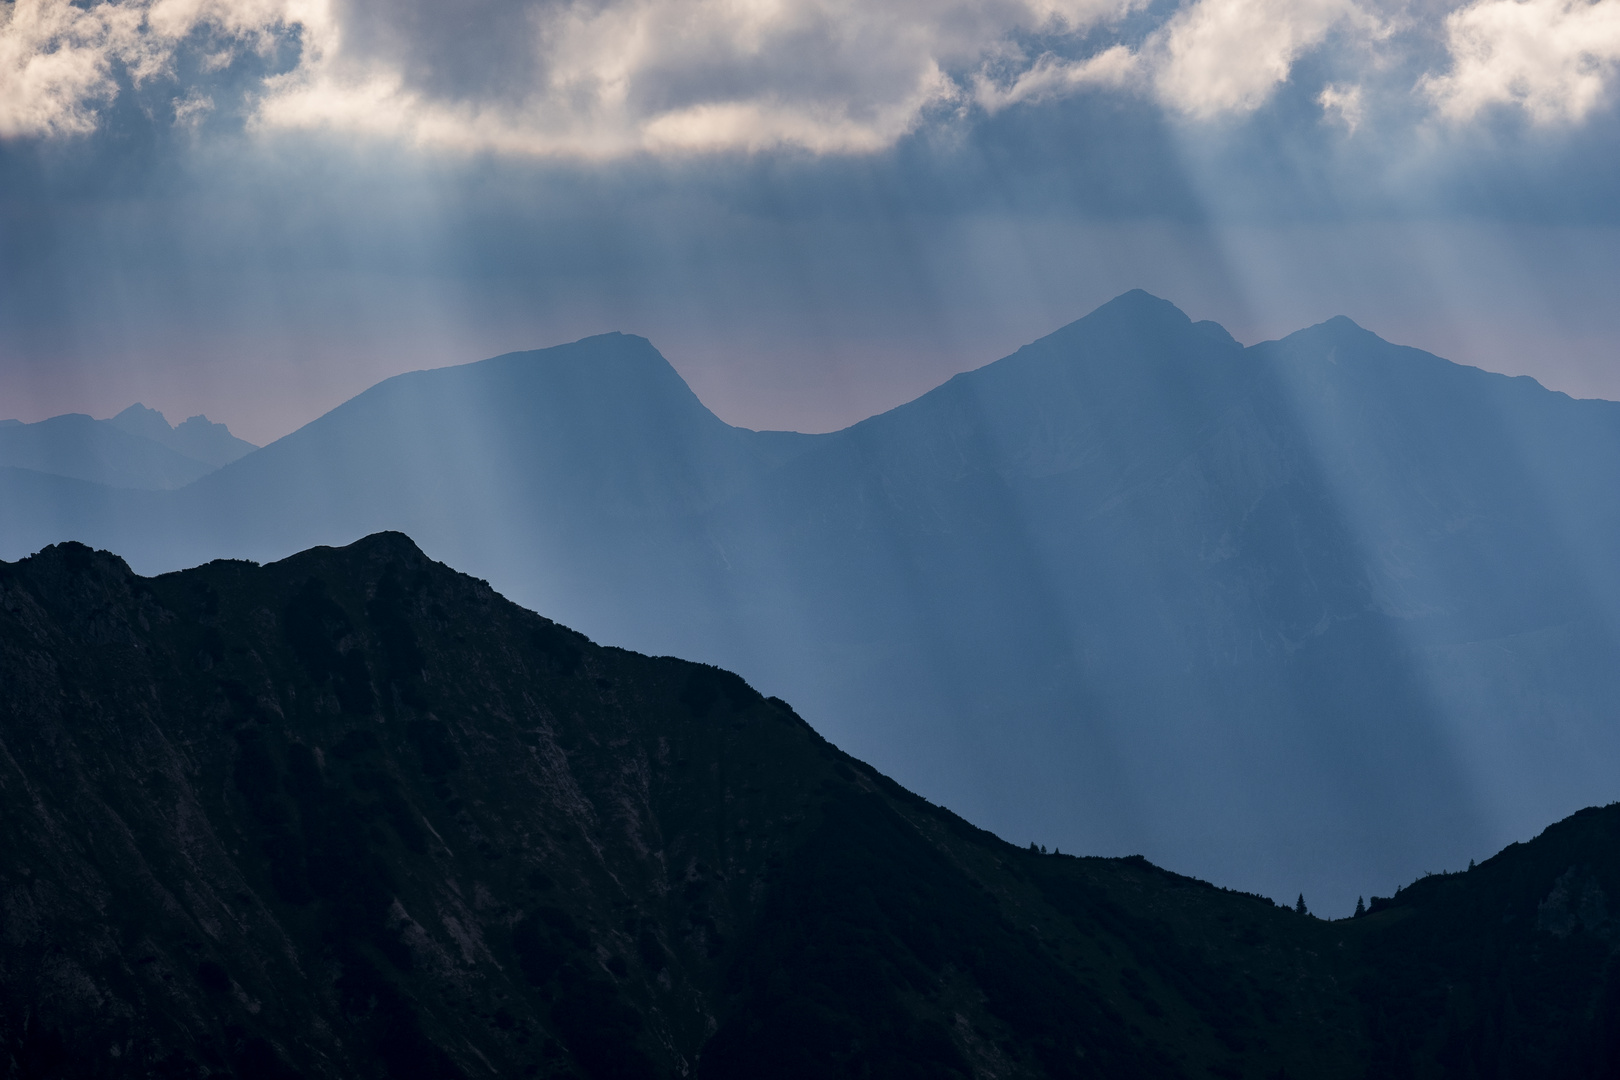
point(355, 815)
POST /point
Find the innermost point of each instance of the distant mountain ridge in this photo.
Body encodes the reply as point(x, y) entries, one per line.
point(196, 437)
point(355, 815)
point(1321, 612)
point(135, 449)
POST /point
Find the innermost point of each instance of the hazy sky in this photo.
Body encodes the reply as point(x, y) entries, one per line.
point(815, 208)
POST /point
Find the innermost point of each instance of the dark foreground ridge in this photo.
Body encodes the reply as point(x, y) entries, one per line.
point(354, 815)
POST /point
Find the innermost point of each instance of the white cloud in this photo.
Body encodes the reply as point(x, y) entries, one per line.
point(564, 77)
point(58, 59)
point(1223, 56)
point(1552, 58)
point(605, 78)
point(1212, 57)
point(1343, 103)
point(53, 67)
point(190, 110)
point(687, 75)
point(1051, 76)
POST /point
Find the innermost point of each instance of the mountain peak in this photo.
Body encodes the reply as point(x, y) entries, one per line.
point(197, 438)
point(1141, 304)
point(1338, 328)
point(1134, 319)
point(70, 559)
point(379, 549)
point(1136, 324)
point(145, 422)
point(1338, 333)
point(388, 546)
point(598, 356)
point(1343, 325)
point(391, 541)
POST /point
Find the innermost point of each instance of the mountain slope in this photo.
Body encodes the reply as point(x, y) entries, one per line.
point(196, 437)
point(81, 448)
point(569, 472)
point(1203, 601)
point(1323, 613)
point(135, 449)
point(353, 814)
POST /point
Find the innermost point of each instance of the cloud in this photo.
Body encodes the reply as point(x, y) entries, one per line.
point(54, 61)
point(1222, 56)
point(1552, 58)
point(58, 60)
point(624, 76)
point(1052, 76)
point(1343, 103)
point(1211, 58)
point(190, 110)
point(599, 79)
point(564, 77)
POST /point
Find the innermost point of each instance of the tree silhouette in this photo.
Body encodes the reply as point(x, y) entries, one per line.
point(1361, 908)
point(1299, 905)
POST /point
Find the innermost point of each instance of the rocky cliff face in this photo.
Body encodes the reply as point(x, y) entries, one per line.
point(354, 815)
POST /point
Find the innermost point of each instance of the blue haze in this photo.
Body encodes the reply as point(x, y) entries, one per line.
point(1315, 615)
point(135, 449)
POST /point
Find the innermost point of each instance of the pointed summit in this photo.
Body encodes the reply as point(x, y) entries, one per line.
point(1137, 323)
point(1142, 307)
point(145, 422)
point(210, 443)
point(76, 446)
point(1340, 329)
point(197, 438)
point(1337, 331)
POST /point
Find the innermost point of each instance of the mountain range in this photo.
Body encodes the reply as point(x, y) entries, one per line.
point(1317, 614)
point(355, 815)
point(135, 449)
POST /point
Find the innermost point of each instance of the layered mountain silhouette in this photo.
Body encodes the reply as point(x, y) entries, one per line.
point(1324, 612)
point(355, 815)
point(135, 449)
point(196, 437)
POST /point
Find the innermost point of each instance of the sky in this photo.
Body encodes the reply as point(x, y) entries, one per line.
point(816, 209)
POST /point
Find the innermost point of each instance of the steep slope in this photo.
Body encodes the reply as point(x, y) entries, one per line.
point(1322, 613)
point(353, 814)
point(572, 473)
point(1325, 604)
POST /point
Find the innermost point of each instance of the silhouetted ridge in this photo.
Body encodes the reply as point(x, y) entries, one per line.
point(73, 558)
point(352, 814)
point(1343, 324)
point(1135, 319)
point(388, 546)
point(101, 451)
point(600, 362)
point(142, 421)
point(1216, 332)
point(1127, 583)
point(1140, 308)
point(195, 437)
point(1342, 332)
